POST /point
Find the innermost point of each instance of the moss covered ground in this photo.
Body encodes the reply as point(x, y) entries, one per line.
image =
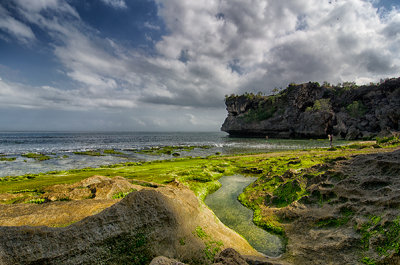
point(170, 150)
point(201, 173)
point(381, 236)
point(36, 156)
point(8, 159)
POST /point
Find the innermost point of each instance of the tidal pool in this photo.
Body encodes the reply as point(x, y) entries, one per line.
point(233, 214)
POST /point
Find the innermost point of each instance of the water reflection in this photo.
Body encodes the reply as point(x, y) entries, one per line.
point(233, 214)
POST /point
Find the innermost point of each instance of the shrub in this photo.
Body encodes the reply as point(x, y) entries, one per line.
point(356, 109)
point(349, 85)
point(320, 105)
point(262, 112)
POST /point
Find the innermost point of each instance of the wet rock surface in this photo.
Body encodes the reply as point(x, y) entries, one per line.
point(312, 111)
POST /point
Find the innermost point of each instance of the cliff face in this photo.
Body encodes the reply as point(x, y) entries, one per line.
point(312, 111)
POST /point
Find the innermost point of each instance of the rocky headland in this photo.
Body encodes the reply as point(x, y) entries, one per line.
point(312, 111)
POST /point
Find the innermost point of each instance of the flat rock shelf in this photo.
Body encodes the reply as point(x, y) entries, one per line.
point(233, 214)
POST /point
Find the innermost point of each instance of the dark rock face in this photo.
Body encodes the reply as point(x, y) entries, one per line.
point(313, 111)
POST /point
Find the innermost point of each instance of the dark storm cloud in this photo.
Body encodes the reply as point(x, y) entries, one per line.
point(376, 62)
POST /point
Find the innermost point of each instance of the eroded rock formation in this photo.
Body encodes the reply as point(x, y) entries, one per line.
point(350, 216)
point(168, 221)
point(312, 111)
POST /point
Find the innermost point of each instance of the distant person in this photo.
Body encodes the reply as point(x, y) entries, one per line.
point(330, 136)
point(329, 132)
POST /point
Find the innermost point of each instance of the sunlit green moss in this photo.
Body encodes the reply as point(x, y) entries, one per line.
point(88, 153)
point(269, 223)
point(212, 247)
point(112, 152)
point(387, 234)
point(368, 261)
point(170, 150)
point(36, 156)
point(121, 195)
point(8, 159)
point(37, 201)
point(200, 170)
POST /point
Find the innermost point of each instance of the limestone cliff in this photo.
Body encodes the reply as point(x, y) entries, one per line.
point(312, 111)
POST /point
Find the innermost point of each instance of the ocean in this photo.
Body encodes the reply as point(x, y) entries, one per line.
point(60, 147)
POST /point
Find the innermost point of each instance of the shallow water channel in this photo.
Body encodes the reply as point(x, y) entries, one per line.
point(233, 214)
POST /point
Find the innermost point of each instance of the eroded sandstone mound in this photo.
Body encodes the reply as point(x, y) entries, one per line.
point(167, 221)
point(69, 202)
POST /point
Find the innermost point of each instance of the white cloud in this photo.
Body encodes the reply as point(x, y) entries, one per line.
point(151, 26)
point(213, 48)
point(14, 27)
point(14, 94)
point(36, 6)
point(337, 40)
point(115, 3)
point(217, 47)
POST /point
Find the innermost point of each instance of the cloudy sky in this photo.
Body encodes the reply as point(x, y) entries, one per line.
point(165, 65)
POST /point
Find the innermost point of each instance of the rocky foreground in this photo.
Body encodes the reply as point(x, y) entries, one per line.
point(313, 111)
point(351, 215)
point(343, 211)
